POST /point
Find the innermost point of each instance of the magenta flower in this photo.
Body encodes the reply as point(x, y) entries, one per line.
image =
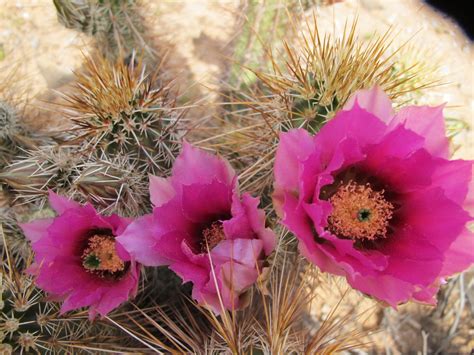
point(373, 197)
point(203, 230)
point(77, 259)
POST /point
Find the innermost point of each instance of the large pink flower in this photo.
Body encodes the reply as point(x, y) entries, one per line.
point(373, 197)
point(77, 259)
point(203, 229)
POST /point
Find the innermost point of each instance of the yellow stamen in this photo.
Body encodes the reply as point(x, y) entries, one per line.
point(359, 212)
point(212, 236)
point(101, 255)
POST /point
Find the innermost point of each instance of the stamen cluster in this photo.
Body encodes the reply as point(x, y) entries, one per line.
point(211, 236)
point(101, 257)
point(359, 212)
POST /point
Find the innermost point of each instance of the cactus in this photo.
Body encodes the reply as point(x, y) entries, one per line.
point(116, 25)
point(112, 185)
point(31, 324)
point(9, 125)
point(13, 237)
point(33, 174)
point(117, 110)
point(13, 135)
point(314, 79)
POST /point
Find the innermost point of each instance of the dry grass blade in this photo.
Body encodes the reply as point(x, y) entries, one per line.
point(176, 329)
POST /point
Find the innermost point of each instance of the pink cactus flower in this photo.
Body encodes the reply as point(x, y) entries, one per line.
point(203, 229)
point(77, 258)
point(373, 197)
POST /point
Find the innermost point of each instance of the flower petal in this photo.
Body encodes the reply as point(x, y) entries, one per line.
point(455, 177)
point(460, 255)
point(295, 147)
point(194, 165)
point(60, 203)
point(161, 190)
point(35, 230)
point(207, 202)
point(428, 122)
point(373, 100)
point(244, 251)
point(357, 123)
point(141, 240)
point(431, 214)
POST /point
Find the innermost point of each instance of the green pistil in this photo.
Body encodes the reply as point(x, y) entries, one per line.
point(363, 215)
point(91, 262)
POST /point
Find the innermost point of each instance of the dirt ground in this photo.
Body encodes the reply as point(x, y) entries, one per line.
point(202, 33)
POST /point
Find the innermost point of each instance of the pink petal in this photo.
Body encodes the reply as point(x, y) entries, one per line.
point(256, 219)
point(85, 296)
point(455, 177)
point(383, 287)
point(141, 240)
point(190, 272)
point(235, 279)
point(170, 217)
point(61, 203)
point(318, 212)
point(431, 214)
point(118, 293)
point(194, 165)
point(207, 202)
point(460, 255)
point(294, 148)
point(238, 226)
point(117, 223)
point(373, 100)
point(298, 222)
point(343, 252)
point(402, 175)
point(61, 275)
point(427, 295)
point(398, 143)
point(243, 251)
point(161, 190)
point(66, 233)
point(363, 127)
point(35, 230)
point(413, 258)
point(428, 122)
point(209, 298)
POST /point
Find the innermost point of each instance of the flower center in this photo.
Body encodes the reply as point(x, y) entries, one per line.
point(211, 236)
point(100, 256)
point(359, 212)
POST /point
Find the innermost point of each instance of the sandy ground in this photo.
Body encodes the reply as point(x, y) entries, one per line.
point(202, 34)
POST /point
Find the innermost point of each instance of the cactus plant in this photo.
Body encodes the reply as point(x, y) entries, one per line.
point(304, 89)
point(117, 109)
point(14, 137)
point(116, 25)
point(13, 238)
point(29, 323)
point(31, 175)
point(112, 185)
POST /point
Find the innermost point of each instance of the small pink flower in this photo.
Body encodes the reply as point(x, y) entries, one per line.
point(203, 229)
point(373, 197)
point(77, 259)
